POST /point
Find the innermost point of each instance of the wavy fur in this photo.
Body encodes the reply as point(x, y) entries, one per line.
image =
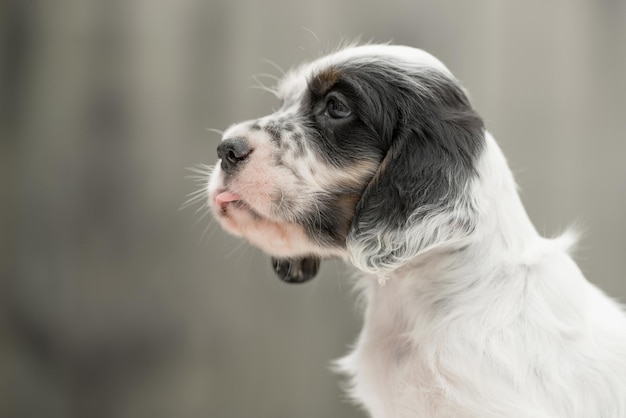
point(469, 312)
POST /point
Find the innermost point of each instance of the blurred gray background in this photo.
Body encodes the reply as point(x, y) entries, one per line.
point(113, 303)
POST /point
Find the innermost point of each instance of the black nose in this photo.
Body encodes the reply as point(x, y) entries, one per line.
point(233, 151)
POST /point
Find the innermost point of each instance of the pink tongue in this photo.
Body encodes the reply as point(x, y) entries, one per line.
point(226, 197)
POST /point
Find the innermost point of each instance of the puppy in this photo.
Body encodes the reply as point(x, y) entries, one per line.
point(376, 156)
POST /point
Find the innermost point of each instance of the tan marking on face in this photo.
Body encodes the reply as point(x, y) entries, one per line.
point(324, 80)
point(327, 178)
point(347, 207)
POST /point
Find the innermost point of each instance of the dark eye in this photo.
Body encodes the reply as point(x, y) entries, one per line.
point(336, 109)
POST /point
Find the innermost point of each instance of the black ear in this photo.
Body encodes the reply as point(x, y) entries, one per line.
point(418, 198)
point(296, 270)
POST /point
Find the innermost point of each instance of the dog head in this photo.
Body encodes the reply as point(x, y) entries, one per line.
point(369, 158)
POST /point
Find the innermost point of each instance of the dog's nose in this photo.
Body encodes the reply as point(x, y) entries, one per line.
point(233, 151)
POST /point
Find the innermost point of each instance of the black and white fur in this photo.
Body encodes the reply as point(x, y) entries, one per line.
point(377, 156)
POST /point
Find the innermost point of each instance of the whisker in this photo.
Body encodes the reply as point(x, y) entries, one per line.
point(260, 85)
point(215, 131)
point(273, 64)
point(200, 176)
point(270, 76)
point(197, 192)
point(266, 89)
point(192, 201)
point(201, 169)
point(201, 217)
point(204, 235)
point(236, 250)
point(312, 33)
point(193, 198)
point(282, 199)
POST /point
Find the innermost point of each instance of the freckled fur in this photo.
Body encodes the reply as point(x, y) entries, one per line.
point(468, 311)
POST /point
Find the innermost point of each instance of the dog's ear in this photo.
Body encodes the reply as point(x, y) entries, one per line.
point(419, 197)
point(296, 270)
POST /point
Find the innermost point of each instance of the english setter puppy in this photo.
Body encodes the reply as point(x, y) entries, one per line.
point(376, 156)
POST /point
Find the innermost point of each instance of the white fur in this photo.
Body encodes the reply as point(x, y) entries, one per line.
point(499, 324)
point(488, 320)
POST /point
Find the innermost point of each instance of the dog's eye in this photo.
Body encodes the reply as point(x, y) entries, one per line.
point(336, 109)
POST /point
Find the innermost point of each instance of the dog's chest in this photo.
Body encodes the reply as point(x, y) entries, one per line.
point(394, 364)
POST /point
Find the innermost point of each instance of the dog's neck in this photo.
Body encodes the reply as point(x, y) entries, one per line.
point(445, 288)
point(504, 235)
point(503, 223)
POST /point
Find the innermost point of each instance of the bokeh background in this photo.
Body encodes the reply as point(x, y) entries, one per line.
point(114, 303)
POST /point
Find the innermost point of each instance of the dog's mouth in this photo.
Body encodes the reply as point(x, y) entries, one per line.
point(289, 270)
point(225, 199)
